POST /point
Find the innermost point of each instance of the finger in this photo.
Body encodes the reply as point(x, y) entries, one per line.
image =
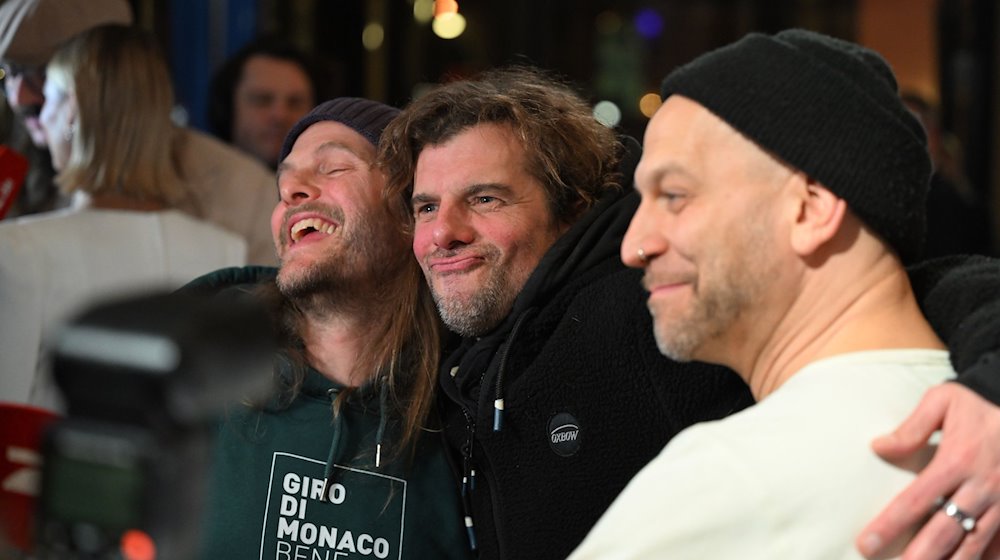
point(886, 535)
point(914, 432)
point(938, 538)
point(975, 544)
point(940, 478)
point(944, 535)
point(993, 550)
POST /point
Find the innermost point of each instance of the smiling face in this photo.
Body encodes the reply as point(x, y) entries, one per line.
point(482, 225)
point(708, 226)
point(331, 230)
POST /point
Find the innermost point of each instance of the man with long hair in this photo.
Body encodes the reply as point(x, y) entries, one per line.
point(339, 459)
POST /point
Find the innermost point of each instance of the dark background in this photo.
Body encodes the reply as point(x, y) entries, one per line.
point(616, 51)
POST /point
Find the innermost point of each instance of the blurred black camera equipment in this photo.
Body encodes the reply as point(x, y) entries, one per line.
point(145, 380)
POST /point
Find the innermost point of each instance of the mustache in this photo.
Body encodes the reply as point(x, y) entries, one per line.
point(650, 279)
point(488, 252)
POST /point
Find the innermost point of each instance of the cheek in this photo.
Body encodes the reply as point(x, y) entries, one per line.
point(277, 217)
point(423, 240)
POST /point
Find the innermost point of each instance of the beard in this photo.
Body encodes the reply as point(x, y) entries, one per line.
point(361, 263)
point(735, 278)
point(482, 310)
point(710, 316)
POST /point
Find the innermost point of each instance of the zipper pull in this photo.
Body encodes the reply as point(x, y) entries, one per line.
point(468, 483)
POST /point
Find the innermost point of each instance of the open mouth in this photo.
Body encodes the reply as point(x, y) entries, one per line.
point(309, 226)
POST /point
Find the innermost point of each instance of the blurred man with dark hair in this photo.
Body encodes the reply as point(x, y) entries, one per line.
point(259, 93)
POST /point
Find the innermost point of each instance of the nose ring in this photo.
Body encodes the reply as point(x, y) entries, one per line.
point(642, 255)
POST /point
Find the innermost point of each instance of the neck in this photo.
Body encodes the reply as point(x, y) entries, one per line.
point(841, 308)
point(343, 331)
point(334, 343)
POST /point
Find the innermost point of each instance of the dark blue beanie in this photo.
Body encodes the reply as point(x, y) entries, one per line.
point(368, 118)
point(829, 108)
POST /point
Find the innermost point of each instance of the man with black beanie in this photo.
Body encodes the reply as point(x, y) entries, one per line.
point(340, 460)
point(783, 188)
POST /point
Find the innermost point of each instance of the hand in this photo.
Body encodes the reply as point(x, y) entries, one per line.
point(965, 470)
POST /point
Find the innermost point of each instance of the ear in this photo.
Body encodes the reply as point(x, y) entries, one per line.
point(819, 218)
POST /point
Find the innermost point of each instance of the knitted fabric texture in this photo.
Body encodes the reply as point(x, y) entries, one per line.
point(829, 108)
point(367, 118)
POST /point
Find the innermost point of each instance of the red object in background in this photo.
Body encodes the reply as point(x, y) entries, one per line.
point(21, 431)
point(445, 7)
point(13, 168)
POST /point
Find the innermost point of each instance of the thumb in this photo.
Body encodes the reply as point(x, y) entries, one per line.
point(918, 427)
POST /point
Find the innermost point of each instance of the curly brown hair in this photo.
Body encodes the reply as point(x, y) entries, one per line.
point(567, 150)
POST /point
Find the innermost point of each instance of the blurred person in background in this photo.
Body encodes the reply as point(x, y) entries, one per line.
point(29, 34)
point(259, 93)
point(133, 224)
point(228, 188)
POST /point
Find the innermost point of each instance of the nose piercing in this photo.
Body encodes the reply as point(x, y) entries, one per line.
point(642, 255)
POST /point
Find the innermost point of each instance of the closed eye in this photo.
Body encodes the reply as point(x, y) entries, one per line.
point(674, 201)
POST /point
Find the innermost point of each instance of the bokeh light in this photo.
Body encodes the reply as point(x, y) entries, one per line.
point(372, 36)
point(442, 7)
point(607, 113)
point(448, 25)
point(423, 10)
point(649, 103)
point(648, 23)
point(608, 23)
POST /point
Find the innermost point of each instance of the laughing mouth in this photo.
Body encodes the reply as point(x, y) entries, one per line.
point(304, 227)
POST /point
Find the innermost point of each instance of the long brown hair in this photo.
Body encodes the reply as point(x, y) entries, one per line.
point(125, 142)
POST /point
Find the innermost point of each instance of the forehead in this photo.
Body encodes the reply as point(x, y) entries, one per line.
point(269, 70)
point(328, 137)
point(484, 153)
point(685, 135)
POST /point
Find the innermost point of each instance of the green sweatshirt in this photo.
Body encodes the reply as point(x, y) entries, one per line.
point(266, 493)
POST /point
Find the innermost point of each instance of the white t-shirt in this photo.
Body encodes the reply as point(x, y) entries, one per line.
point(790, 477)
point(52, 265)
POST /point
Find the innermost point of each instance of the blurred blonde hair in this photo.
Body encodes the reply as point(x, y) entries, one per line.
point(125, 142)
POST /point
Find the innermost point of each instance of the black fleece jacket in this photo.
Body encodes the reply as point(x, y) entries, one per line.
point(960, 296)
point(588, 399)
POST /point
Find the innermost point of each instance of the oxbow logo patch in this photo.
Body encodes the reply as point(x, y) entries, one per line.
point(564, 434)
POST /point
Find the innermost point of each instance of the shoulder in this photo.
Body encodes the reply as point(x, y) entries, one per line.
point(229, 277)
point(202, 153)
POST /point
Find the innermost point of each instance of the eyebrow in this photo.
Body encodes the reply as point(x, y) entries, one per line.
point(471, 190)
point(661, 172)
point(325, 147)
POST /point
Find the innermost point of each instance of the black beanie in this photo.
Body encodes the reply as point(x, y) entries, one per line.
point(368, 118)
point(829, 108)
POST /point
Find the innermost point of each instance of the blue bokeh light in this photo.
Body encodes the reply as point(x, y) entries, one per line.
point(648, 23)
